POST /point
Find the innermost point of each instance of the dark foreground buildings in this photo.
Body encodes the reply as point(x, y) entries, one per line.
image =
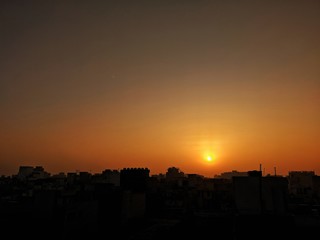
point(131, 204)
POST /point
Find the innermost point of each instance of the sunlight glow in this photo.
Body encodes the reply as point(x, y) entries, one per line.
point(209, 157)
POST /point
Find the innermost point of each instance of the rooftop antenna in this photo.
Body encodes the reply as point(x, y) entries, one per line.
point(260, 167)
point(275, 171)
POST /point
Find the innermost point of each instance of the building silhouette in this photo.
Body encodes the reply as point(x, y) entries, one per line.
point(129, 204)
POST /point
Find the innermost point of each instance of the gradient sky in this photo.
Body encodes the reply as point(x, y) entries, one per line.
point(91, 85)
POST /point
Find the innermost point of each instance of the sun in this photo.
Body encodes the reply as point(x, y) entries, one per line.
point(209, 157)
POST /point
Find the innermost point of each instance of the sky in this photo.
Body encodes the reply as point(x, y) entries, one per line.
point(94, 85)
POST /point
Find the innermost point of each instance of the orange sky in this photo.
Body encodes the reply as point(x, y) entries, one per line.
point(90, 86)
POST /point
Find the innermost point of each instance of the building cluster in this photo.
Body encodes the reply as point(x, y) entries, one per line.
point(131, 204)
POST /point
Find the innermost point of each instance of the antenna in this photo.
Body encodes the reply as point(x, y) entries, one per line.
point(275, 171)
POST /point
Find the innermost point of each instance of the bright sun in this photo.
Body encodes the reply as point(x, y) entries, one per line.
point(209, 157)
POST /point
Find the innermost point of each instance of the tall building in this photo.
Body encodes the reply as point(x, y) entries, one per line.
point(32, 173)
point(255, 194)
point(24, 172)
point(230, 175)
point(134, 179)
point(301, 183)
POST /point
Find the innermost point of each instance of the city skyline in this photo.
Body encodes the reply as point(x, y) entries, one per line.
point(28, 169)
point(206, 86)
point(131, 204)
